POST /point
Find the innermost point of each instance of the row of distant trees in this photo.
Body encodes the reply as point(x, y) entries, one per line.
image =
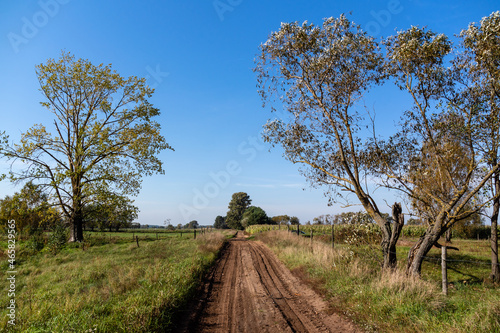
point(242, 214)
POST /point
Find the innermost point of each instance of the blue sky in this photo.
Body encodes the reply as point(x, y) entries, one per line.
point(199, 56)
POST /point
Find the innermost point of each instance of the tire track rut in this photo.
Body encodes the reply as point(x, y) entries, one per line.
point(250, 290)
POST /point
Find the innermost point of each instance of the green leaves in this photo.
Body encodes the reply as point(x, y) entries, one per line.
point(239, 203)
point(319, 74)
point(254, 215)
point(104, 134)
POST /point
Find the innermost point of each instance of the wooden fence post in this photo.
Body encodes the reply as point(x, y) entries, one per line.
point(298, 230)
point(194, 233)
point(333, 236)
point(311, 237)
point(444, 273)
point(137, 240)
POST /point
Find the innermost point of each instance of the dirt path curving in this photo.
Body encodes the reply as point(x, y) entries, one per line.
point(250, 290)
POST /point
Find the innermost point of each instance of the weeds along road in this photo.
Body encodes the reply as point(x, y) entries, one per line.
point(250, 290)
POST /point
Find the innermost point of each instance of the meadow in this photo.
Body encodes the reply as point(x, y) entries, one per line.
point(108, 284)
point(350, 277)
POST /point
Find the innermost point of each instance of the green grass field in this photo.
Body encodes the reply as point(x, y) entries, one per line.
point(351, 278)
point(111, 286)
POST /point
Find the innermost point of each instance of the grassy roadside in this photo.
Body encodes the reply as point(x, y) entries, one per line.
point(351, 280)
point(108, 288)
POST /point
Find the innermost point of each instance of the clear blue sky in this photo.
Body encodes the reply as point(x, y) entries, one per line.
point(199, 57)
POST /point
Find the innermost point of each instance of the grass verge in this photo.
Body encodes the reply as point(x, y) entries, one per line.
point(351, 279)
point(108, 288)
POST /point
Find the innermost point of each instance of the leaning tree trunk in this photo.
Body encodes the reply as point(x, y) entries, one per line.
point(390, 237)
point(418, 252)
point(495, 269)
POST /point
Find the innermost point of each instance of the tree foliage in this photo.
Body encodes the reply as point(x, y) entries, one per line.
point(435, 159)
point(481, 56)
point(239, 203)
point(104, 137)
point(220, 222)
point(192, 225)
point(319, 75)
point(444, 152)
point(110, 212)
point(254, 215)
point(294, 220)
point(280, 219)
point(30, 209)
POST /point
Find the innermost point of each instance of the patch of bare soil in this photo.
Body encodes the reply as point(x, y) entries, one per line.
point(250, 290)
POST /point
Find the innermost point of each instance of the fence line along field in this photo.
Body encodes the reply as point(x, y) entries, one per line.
point(108, 287)
point(370, 230)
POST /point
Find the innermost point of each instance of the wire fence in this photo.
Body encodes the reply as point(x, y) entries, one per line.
point(355, 235)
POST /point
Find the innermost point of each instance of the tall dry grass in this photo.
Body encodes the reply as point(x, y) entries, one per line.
point(385, 301)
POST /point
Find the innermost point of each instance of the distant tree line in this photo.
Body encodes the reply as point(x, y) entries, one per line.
point(241, 215)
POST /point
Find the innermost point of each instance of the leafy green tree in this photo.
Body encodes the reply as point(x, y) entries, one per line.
point(415, 221)
point(105, 138)
point(280, 219)
point(192, 225)
point(30, 209)
point(239, 203)
point(92, 217)
point(254, 215)
point(220, 223)
point(481, 58)
point(416, 62)
point(323, 219)
point(354, 218)
point(318, 74)
point(119, 212)
point(111, 211)
point(294, 220)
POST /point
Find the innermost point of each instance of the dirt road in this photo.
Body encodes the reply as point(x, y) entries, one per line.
point(250, 290)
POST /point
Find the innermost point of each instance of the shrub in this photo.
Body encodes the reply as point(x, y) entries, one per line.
point(57, 239)
point(35, 243)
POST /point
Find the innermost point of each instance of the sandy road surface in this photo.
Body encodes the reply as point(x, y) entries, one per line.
point(250, 290)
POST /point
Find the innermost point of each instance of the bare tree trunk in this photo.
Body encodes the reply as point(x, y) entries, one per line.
point(418, 252)
point(76, 226)
point(495, 269)
point(390, 237)
point(399, 221)
point(386, 245)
